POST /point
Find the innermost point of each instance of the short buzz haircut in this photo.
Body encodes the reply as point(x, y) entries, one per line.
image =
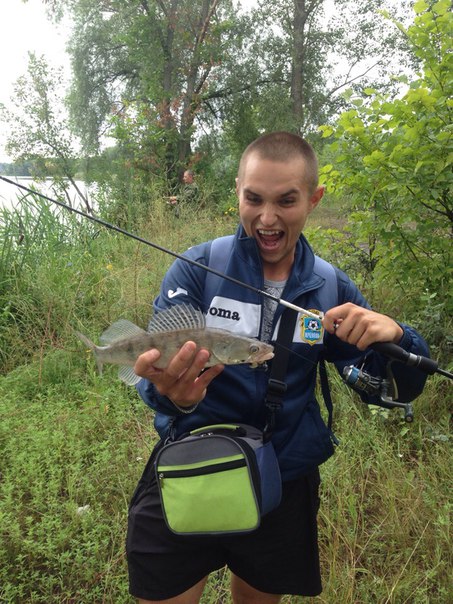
point(283, 147)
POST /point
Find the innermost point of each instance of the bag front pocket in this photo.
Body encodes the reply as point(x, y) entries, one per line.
point(216, 494)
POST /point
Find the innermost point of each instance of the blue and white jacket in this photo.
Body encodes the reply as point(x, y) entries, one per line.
point(301, 439)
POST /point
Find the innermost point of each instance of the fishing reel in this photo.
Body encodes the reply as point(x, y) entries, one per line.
point(384, 388)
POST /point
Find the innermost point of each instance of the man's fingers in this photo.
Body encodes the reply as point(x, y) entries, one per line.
point(186, 366)
point(183, 380)
point(204, 379)
point(144, 365)
point(360, 326)
point(350, 323)
point(184, 392)
point(352, 334)
point(183, 360)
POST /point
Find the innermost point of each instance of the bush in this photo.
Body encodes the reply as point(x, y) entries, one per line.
point(392, 159)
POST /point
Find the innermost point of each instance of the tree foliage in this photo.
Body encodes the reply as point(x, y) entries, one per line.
point(158, 75)
point(393, 161)
point(146, 68)
point(307, 51)
point(39, 125)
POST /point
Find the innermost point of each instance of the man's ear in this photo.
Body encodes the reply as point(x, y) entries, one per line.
point(317, 196)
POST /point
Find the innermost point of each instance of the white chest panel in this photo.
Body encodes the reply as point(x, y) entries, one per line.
point(238, 317)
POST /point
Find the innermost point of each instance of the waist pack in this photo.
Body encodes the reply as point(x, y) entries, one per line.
point(218, 479)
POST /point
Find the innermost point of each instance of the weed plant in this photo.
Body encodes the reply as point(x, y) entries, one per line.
point(74, 443)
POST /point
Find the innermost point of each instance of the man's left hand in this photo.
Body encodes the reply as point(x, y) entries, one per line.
point(361, 327)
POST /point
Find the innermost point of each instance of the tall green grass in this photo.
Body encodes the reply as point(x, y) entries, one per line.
point(74, 443)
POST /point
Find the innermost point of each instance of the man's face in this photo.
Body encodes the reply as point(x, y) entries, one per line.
point(274, 204)
point(187, 178)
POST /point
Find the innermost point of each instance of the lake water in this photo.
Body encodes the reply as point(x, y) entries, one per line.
point(10, 195)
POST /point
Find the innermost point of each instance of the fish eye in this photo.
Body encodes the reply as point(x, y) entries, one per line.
point(253, 349)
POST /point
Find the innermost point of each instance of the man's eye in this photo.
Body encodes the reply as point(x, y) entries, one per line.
point(287, 201)
point(253, 198)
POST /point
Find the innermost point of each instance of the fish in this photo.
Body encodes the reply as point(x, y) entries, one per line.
point(123, 342)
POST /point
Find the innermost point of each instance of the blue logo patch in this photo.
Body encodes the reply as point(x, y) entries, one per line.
point(311, 330)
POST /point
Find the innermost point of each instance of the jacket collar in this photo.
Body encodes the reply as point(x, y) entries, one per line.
point(302, 278)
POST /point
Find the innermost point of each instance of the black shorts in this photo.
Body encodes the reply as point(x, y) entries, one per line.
point(280, 557)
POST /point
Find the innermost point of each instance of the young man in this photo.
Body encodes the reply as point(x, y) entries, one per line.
point(277, 187)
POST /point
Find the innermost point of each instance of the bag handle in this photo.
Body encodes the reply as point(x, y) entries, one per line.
point(276, 386)
point(219, 428)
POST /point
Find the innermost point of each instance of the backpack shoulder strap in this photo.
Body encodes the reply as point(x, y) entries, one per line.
point(330, 289)
point(276, 386)
point(330, 294)
point(218, 259)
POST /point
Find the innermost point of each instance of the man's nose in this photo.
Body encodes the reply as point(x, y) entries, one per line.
point(268, 215)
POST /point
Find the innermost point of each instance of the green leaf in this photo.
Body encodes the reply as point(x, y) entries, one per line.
point(420, 6)
point(418, 166)
point(326, 131)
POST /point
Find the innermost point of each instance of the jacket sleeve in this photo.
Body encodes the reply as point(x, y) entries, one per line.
point(409, 381)
point(158, 402)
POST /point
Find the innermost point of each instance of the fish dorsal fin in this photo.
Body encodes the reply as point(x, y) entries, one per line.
point(180, 316)
point(119, 330)
point(128, 376)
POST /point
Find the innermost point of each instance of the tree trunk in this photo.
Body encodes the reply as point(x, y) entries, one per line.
point(196, 77)
point(298, 63)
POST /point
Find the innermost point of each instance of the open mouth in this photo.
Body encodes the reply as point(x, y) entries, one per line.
point(269, 239)
point(266, 356)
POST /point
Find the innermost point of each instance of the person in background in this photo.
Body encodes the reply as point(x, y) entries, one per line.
point(189, 191)
point(277, 188)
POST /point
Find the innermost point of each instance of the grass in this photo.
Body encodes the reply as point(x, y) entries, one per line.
point(74, 444)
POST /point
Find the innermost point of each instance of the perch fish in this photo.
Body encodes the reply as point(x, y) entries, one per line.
point(123, 342)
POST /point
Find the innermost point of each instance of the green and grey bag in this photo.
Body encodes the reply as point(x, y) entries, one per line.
point(218, 479)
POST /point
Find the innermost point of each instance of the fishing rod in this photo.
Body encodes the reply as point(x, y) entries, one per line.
point(393, 351)
point(118, 229)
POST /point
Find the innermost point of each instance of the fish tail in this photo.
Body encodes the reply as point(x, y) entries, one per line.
point(92, 346)
point(86, 340)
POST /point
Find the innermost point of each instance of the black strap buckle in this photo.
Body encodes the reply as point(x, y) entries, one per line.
point(275, 392)
point(274, 400)
point(276, 387)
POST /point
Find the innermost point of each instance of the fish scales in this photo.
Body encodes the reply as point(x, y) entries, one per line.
point(123, 342)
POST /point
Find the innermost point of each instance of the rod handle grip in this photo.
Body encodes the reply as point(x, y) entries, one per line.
point(395, 352)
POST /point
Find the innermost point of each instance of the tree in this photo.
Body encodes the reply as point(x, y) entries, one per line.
point(169, 69)
point(393, 160)
point(310, 50)
point(288, 77)
point(39, 126)
point(146, 65)
point(165, 78)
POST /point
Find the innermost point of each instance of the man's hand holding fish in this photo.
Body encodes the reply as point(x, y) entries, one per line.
point(182, 380)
